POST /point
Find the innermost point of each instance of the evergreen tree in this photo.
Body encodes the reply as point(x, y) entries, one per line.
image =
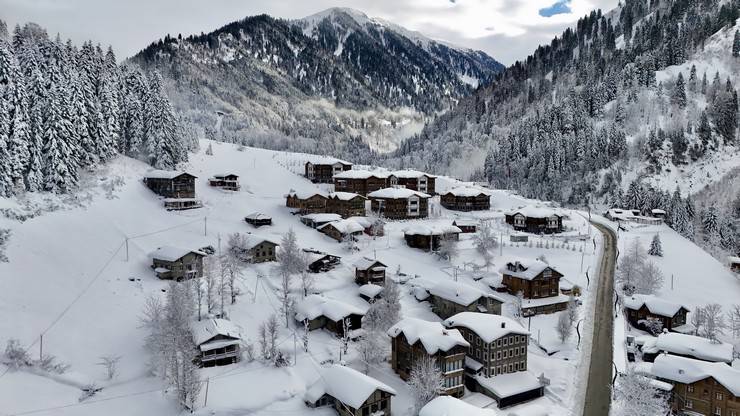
point(710, 222)
point(58, 176)
point(736, 44)
point(692, 79)
point(679, 92)
point(705, 131)
point(656, 248)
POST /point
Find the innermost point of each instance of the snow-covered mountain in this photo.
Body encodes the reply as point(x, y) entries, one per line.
point(332, 81)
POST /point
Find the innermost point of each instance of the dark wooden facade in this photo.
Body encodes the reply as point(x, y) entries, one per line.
point(258, 220)
point(451, 362)
point(481, 202)
point(263, 251)
point(546, 284)
point(370, 272)
point(536, 225)
point(323, 172)
point(229, 182)
point(669, 322)
point(176, 186)
point(379, 403)
point(346, 207)
point(401, 208)
point(186, 267)
point(429, 242)
point(445, 308)
point(361, 186)
point(466, 226)
point(306, 204)
point(339, 235)
point(422, 183)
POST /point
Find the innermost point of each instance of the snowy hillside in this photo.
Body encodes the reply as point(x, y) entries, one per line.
point(80, 275)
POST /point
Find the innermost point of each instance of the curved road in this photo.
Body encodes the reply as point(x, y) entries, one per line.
point(598, 387)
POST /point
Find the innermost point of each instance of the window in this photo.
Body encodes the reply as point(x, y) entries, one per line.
point(498, 355)
point(506, 341)
point(719, 396)
point(516, 366)
point(690, 389)
point(505, 352)
point(511, 368)
point(717, 411)
point(689, 404)
point(498, 343)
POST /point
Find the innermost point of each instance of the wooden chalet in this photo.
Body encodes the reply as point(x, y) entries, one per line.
point(369, 271)
point(536, 281)
point(346, 204)
point(535, 220)
point(466, 198)
point(640, 308)
point(306, 202)
point(177, 188)
point(633, 215)
point(174, 263)
point(218, 342)
point(319, 262)
point(261, 250)
point(258, 219)
point(323, 169)
point(734, 263)
point(331, 314)
point(466, 226)
point(361, 182)
point(226, 181)
point(658, 213)
point(414, 180)
point(374, 227)
point(429, 237)
point(689, 346)
point(350, 393)
point(449, 298)
point(342, 230)
point(413, 339)
point(699, 387)
point(319, 219)
point(399, 203)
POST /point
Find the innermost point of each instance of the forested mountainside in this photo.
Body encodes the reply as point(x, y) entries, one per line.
point(336, 82)
point(64, 108)
point(648, 90)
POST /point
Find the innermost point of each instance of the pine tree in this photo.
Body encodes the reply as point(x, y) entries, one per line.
point(58, 176)
point(692, 79)
point(709, 222)
point(736, 44)
point(705, 131)
point(656, 249)
point(679, 92)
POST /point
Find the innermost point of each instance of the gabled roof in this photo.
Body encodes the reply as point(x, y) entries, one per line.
point(465, 222)
point(488, 327)
point(258, 216)
point(206, 329)
point(325, 160)
point(314, 306)
point(171, 253)
point(466, 191)
point(655, 305)
point(459, 293)
point(532, 267)
point(322, 217)
point(346, 385)
point(362, 174)
point(397, 193)
point(345, 196)
point(344, 226)
point(411, 174)
point(365, 263)
point(688, 370)
point(370, 290)
point(691, 345)
point(305, 194)
point(451, 406)
point(165, 174)
point(433, 335)
point(223, 175)
point(536, 212)
point(421, 229)
point(254, 240)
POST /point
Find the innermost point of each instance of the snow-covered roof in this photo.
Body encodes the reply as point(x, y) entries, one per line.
point(530, 211)
point(688, 370)
point(451, 406)
point(258, 216)
point(314, 306)
point(411, 174)
point(370, 290)
point(349, 386)
point(459, 293)
point(397, 193)
point(365, 263)
point(206, 329)
point(468, 191)
point(655, 305)
point(465, 222)
point(507, 385)
point(733, 259)
point(322, 217)
point(658, 211)
point(345, 196)
point(325, 160)
point(171, 253)
point(488, 327)
point(165, 174)
point(691, 345)
point(433, 335)
point(344, 226)
point(422, 229)
point(305, 194)
point(362, 174)
point(223, 175)
point(532, 267)
point(254, 240)
point(363, 221)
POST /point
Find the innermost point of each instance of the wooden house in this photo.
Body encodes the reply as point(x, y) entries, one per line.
point(261, 250)
point(350, 393)
point(306, 202)
point(399, 203)
point(361, 182)
point(174, 263)
point(171, 184)
point(466, 198)
point(414, 339)
point(734, 263)
point(326, 313)
point(323, 169)
point(258, 219)
point(449, 298)
point(429, 237)
point(496, 363)
point(346, 204)
point(218, 342)
point(536, 220)
point(414, 180)
point(370, 292)
point(226, 181)
point(535, 280)
point(369, 271)
point(640, 308)
point(319, 262)
point(633, 215)
point(466, 226)
point(372, 226)
point(699, 387)
point(658, 213)
point(318, 220)
point(452, 406)
point(342, 230)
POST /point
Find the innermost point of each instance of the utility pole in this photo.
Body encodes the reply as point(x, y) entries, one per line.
point(219, 244)
point(205, 226)
point(295, 349)
point(205, 400)
point(127, 249)
point(582, 254)
point(41, 347)
point(501, 244)
point(256, 284)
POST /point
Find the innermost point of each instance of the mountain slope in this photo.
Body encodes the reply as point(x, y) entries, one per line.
point(328, 78)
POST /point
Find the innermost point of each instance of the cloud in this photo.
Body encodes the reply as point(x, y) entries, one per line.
point(506, 29)
point(560, 7)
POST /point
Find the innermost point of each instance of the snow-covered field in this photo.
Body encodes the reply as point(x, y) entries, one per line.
point(79, 275)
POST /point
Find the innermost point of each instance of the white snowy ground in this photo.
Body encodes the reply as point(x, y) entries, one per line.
point(69, 278)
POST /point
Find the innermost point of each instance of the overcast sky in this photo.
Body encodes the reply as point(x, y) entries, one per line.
point(506, 29)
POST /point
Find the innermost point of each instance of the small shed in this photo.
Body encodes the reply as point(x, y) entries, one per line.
point(319, 262)
point(370, 292)
point(258, 219)
point(734, 263)
point(319, 219)
point(343, 388)
point(331, 314)
point(658, 213)
point(466, 225)
point(429, 237)
point(368, 270)
point(342, 230)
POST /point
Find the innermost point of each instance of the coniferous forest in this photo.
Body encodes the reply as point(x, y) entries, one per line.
point(67, 108)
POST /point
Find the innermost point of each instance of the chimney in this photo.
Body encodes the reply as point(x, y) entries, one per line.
point(503, 324)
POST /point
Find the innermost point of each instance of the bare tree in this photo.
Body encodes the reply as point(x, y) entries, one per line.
point(630, 264)
point(714, 322)
point(635, 395)
point(346, 334)
point(304, 338)
point(110, 362)
point(268, 333)
point(286, 300)
point(649, 278)
point(564, 327)
point(653, 325)
point(735, 320)
point(426, 381)
point(516, 306)
point(698, 319)
point(572, 309)
point(307, 279)
point(234, 272)
point(447, 248)
point(485, 242)
point(16, 355)
point(211, 267)
point(372, 348)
